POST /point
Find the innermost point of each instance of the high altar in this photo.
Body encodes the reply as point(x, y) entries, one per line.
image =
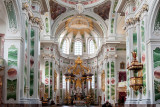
point(81, 79)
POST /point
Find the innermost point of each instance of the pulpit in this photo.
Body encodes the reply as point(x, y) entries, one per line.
point(136, 82)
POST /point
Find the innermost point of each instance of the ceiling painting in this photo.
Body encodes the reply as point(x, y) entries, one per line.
point(86, 3)
point(79, 24)
point(103, 10)
point(56, 9)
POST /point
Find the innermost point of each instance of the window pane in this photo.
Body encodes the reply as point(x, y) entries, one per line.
point(64, 82)
point(65, 47)
point(91, 47)
point(78, 48)
point(93, 82)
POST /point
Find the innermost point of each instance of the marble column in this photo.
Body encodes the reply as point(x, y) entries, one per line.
point(53, 68)
point(137, 26)
point(37, 31)
point(106, 80)
point(129, 47)
point(36, 61)
point(130, 34)
point(146, 95)
point(28, 61)
point(49, 84)
point(24, 19)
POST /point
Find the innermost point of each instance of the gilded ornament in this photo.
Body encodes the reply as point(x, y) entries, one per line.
point(78, 83)
point(25, 6)
point(103, 81)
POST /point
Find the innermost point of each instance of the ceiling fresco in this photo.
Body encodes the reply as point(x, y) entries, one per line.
point(56, 9)
point(86, 3)
point(103, 10)
point(79, 24)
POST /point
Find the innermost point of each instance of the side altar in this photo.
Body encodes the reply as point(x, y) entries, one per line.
point(79, 93)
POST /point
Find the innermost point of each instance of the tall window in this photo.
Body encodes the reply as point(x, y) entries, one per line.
point(65, 47)
point(64, 82)
point(91, 47)
point(78, 48)
point(93, 81)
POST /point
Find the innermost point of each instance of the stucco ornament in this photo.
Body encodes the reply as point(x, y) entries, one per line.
point(30, 14)
point(38, 21)
point(136, 18)
point(79, 7)
point(145, 7)
point(25, 6)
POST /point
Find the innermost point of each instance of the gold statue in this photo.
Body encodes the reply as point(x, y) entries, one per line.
point(134, 54)
point(78, 83)
point(78, 60)
point(69, 71)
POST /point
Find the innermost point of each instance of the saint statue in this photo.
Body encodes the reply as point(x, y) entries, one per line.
point(134, 54)
point(78, 83)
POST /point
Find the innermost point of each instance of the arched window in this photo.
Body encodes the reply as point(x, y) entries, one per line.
point(65, 47)
point(78, 48)
point(91, 47)
point(93, 81)
point(64, 82)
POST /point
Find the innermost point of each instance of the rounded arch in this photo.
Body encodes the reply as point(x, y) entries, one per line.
point(153, 14)
point(17, 5)
point(3, 18)
point(17, 12)
point(154, 43)
point(96, 18)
